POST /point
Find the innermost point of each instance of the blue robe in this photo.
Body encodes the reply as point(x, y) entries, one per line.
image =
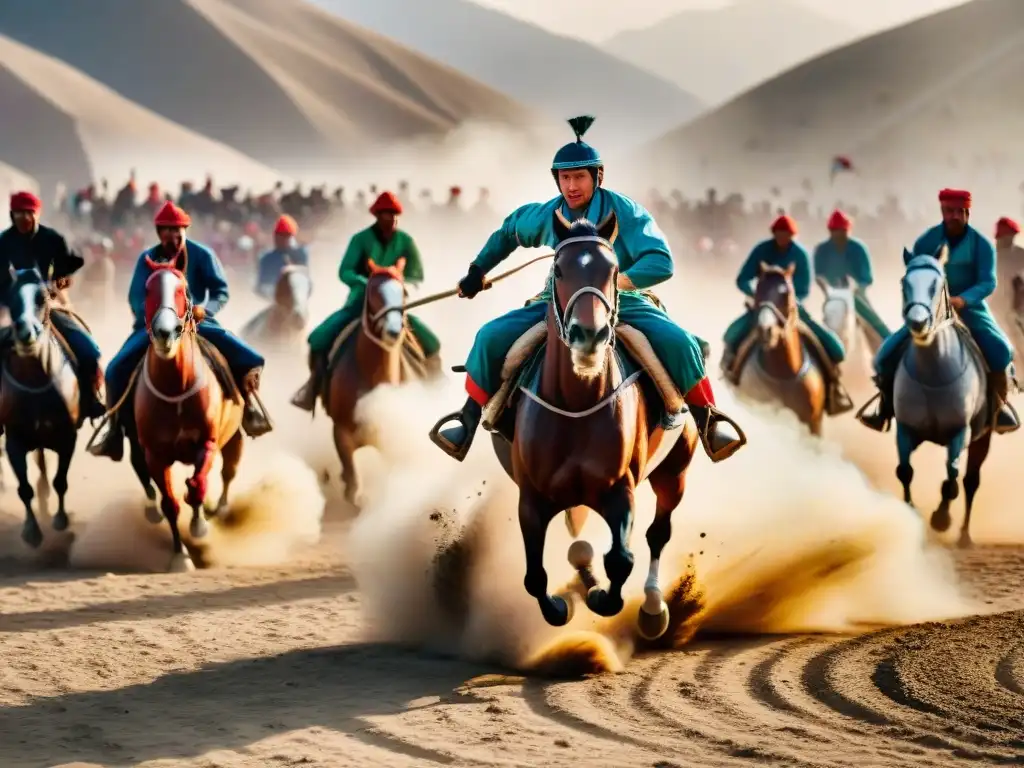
point(853, 263)
point(644, 257)
point(768, 252)
point(971, 275)
point(207, 286)
point(272, 262)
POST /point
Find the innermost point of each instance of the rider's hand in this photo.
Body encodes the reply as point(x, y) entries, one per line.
point(472, 283)
point(62, 283)
point(958, 303)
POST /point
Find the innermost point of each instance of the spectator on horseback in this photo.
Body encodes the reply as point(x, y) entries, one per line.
point(644, 261)
point(208, 291)
point(782, 250)
point(971, 278)
point(27, 244)
point(383, 244)
point(286, 251)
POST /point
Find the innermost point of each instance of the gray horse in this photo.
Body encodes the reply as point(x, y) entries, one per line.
point(940, 392)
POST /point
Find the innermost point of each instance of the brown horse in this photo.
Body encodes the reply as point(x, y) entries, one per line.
point(182, 413)
point(282, 323)
point(379, 355)
point(774, 363)
point(586, 434)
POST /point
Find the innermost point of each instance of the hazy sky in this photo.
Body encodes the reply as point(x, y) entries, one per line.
point(581, 17)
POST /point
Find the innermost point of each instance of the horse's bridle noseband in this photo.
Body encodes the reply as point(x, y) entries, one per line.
point(562, 316)
point(372, 320)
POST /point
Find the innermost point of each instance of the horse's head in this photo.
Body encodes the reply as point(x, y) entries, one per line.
point(29, 305)
point(168, 309)
point(293, 289)
point(775, 302)
point(384, 308)
point(584, 291)
point(925, 295)
point(838, 311)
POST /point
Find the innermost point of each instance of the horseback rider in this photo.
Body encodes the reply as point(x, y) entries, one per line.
point(644, 260)
point(1009, 255)
point(782, 250)
point(207, 286)
point(27, 244)
point(286, 251)
point(971, 277)
point(384, 244)
point(841, 260)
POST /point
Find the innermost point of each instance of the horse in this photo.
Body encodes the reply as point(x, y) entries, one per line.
point(586, 433)
point(775, 365)
point(379, 355)
point(285, 319)
point(39, 398)
point(183, 411)
point(1017, 310)
point(940, 393)
point(839, 315)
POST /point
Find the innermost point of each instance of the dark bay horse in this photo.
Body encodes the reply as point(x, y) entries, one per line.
point(586, 433)
point(39, 397)
point(378, 355)
point(283, 322)
point(776, 366)
point(182, 413)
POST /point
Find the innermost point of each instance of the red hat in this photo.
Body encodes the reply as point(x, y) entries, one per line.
point(456, 191)
point(286, 226)
point(386, 203)
point(784, 224)
point(26, 201)
point(1007, 226)
point(171, 215)
point(956, 196)
point(839, 221)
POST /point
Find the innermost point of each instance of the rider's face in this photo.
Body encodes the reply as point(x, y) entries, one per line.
point(1004, 241)
point(577, 187)
point(171, 238)
point(783, 239)
point(24, 221)
point(282, 241)
point(387, 222)
point(955, 218)
point(839, 235)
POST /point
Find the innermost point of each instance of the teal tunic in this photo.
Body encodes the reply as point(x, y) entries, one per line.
point(643, 255)
point(853, 263)
point(971, 275)
point(768, 252)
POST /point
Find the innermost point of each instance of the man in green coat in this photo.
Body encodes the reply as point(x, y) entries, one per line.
point(384, 244)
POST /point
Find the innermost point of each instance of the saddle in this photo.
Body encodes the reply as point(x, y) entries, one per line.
point(218, 364)
point(522, 365)
point(811, 346)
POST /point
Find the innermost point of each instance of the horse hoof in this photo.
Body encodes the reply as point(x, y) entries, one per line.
point(31, 534)
point(198, 527)
point(558, 610)
point(599, 601)
point(965, 541)
point(581, 555)
point(153, 514)
point(652, 625)
point(60, 521)
point(181, 563)
point(941, 520)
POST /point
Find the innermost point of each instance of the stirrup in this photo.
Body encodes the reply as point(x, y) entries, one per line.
point(457, 452)
point(876, 421)
point(716, 417)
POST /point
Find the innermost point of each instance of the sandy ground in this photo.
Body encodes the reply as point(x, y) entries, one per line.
point(816, 620)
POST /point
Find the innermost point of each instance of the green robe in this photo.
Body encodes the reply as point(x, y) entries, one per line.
point(354, 271)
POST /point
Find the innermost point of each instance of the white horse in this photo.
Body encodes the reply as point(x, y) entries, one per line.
point(839, 315)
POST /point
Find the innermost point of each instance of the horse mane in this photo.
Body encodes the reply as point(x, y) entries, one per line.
point(583, 228)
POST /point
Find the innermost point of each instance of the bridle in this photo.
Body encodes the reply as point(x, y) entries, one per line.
point(948, 314)
point(562, 316)
point(371, 320)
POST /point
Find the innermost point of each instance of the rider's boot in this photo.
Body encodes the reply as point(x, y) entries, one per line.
point(255, 421)
point(718, 433)
point(1004, 416)
point(111, 445)
point(306, 397)
point(457, 439)
point(882, 417)
point(837, 400)
point(728, 362)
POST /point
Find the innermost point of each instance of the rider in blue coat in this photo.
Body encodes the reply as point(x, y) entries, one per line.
point(971, 276)
point(286, 251)
point(207, 287)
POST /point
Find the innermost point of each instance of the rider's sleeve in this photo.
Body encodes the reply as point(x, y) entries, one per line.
point(137, 291)
point(263, 272)
point(348, 272)
point(217, 293)
point(748, 272)
point(524, 228)
point(803, 275)
point(413, 263)
point(646, 243)
point(65, 261)
point(860, 264)
point(984, 275)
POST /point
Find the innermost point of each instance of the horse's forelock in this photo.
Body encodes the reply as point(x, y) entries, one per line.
point(924, 261)
point(376, 270)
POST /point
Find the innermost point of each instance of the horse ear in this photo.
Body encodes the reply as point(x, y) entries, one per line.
point(561, 226)
point(790, 270)
point(907, 255)
point(943, 254)
point(400, 265)
point(13, 271)
point(609, 228)
point(762, 267)
point(371, 265)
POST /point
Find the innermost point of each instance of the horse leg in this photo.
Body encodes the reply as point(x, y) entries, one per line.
point(618, 561)
point(60, 481)
point(346, 445)
point(3, 475)
point(951, 485)
point(196, 485)
point(976, 455)
point(668, 480)
point(534, 516)
point(138, 459)
point(18, 457)
point(231, 457)
point(43, 484)
point(906, 443)
point(180, 560)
